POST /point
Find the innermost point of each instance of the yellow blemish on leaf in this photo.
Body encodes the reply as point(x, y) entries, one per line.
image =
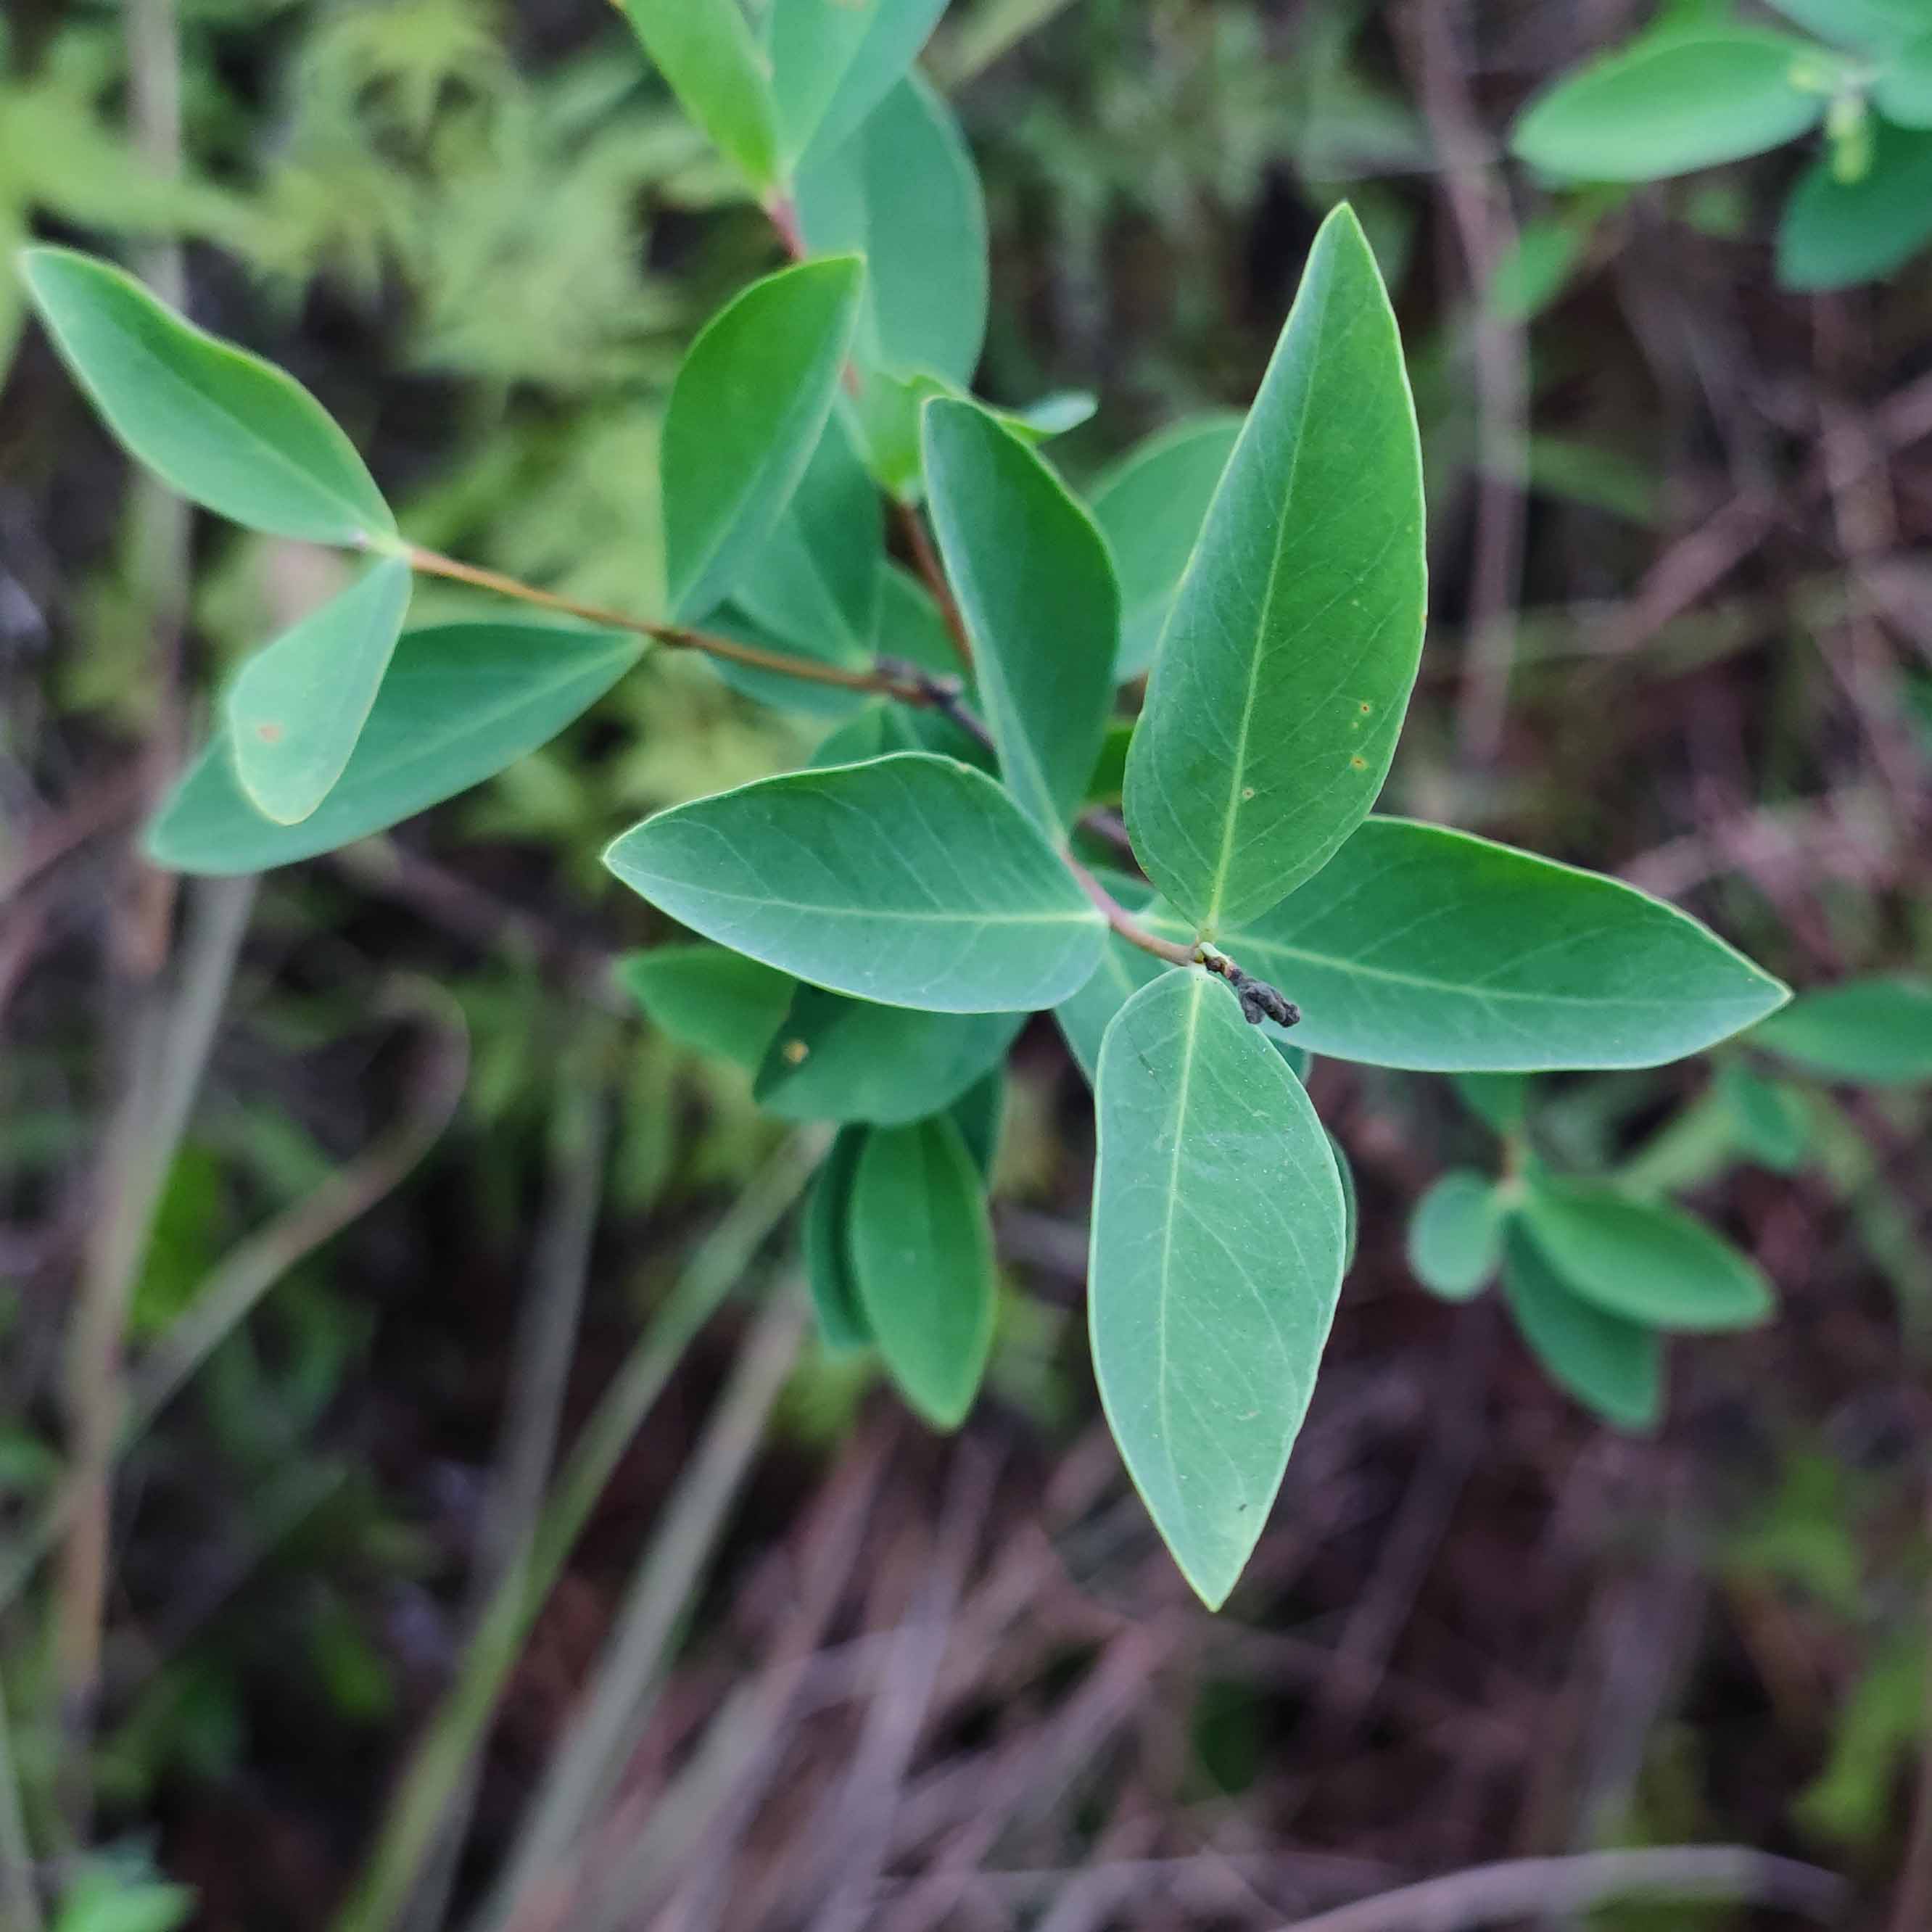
point(795, 1052)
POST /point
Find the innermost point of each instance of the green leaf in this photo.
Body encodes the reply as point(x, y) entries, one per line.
point(1455, 1235)
point(710, 999)
point(838, 1059)
point(1876, 1033)
point(705, 50)
point(1036, 588)
point(910, 625)
point(1279, 689)
point(827, 1244)
point(1614, 1367)
point(1902, 92)
point(1878, 24)
point(1537, 267)
point(1771, 1120)
point(1150, 506)
point(1085, 1017)
point(219, 425)
point(1219, 1230)
point(1835, 233)
point(911, 880)
point(1501, 1101)
point(833, 62)
point(461, 702)
point(904, 193)
point(1673, 103)
point(979, 1113)
point(296, 708)
point(746, 412)
point(921, 1252)
point(1645, 1261)
point(1422, 948)
point(1345, 1172)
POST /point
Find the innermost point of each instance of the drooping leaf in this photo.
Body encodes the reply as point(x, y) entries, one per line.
point(912, 880)
point(904, 193)
point(1902, 92)
point(220, 426)
point(297, 707)
point(838, 1059)
point(745, 414)
point(1219, 1231)
point(1644, 1261)
point(833, 62)
point(1150, 507)
point(1420, 947)
point(1036, 589)
point(1876, 1032)
point(461, 702)
point(827, 1244)
point(1279, 689)
point(921, 1252)
point(1672, 103)
point(1614, 1367)
point(710, 999)
point(1835, 233)
point(1771, 1120)
point(706, 51)
point(1878, 24)
point(1455, 1235)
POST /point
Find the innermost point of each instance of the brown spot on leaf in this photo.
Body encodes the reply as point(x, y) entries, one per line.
point(269, 734)
point(794, 1051)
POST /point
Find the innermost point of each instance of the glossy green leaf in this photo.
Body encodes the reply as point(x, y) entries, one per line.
point(1150, 507)
point(1048, 416)
point(782, 691)
point(827, 1241)
point(904, 193)
point(911, 626)
point(838, 1059)
point(912, 880)
point(1835, 234)
point(922, 1253)
point(295, 710)
point(746, 415)
point(1085, 1017)
point(1036, 589)
point(1902, 92)
point(705, 50)
point(1770, 1120)
point(1455, 1235)
point(834, 61)
point(1279, 690)
point(1672, 104)
point(710, 999)
point(882, 729)
point(218, 425)
point(1646, 1261)
point(1614, 1367)
point(1420, 947)
point(1877, 24)
point(1877, 1032)
point(461, 702)
point(1219, 1231)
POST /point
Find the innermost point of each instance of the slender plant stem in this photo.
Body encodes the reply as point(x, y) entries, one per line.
point(1125, 924)
point(932, 572)
point(456, 1732)
point(674, 636)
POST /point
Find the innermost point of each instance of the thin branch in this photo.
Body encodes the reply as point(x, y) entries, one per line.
point(932, 574)
point(1499, 1894)
point(674, 636)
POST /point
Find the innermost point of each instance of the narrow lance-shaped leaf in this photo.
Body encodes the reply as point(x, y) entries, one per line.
point(705, 49)
point(461, 702)
point(1876, 1032)
point(838, 1059)
point(1648, 1262)
point(922, 1256)
point(1455, 1236)
point(1613, 1366)
point(1036, 592)
point(827, 1244)
point(1279, 689)
point(1673, 103)
point(1150, 507)
point(834, 61)
point(213, 422)
point(1420, 947)
point(709, 998)
point(910, 880)
point(297, 707)
point(904, 193)
point(1219, 1230)
point(746, 413)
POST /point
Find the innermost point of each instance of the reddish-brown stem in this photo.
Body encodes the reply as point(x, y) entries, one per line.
point(674, 636)
point(933, 573)
point(1123, 922)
